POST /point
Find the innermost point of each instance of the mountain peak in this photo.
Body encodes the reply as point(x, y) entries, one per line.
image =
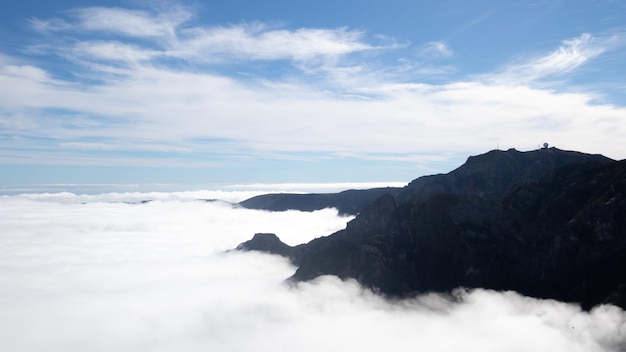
point(491, 174)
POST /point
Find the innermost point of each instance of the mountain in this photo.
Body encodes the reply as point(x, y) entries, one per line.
point(349, 202)
point(546, 223)
point(490, 175)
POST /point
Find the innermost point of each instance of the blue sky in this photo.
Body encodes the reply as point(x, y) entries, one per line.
point(238, 92)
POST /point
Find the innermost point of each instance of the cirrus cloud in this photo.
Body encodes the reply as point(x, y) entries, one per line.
point(196, 92)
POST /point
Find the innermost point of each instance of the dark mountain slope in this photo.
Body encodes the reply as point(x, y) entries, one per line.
point(491, 174)
point(488, 176)
point(347, 202)
point(561, 236)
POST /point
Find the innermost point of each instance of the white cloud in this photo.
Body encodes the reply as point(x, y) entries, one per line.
point(80, 273)
point(113, 51)
point(569, 56)
point(166, 31)
point(435, 50)
point(174, 109)
point(27, 73)
point(336, 104)
point(133, 23)
point(49, 25)
point(259, 43)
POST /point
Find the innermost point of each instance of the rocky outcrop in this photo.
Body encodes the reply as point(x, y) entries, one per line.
point(548, 224)
point(268, 243)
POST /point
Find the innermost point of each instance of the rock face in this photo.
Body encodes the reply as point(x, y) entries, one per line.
point(547, 223)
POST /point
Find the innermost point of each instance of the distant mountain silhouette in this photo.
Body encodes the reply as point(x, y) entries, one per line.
point(349, 202)
point(547, 223)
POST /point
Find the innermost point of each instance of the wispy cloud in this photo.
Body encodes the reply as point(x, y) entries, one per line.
point(570, 55)
point(470, 24)
point(259, 43)
point(543, 8)
point(27, 72)
point(168, 35)
point(113, 51)
point(126, 22)
point(435, 50)
point(178, 88)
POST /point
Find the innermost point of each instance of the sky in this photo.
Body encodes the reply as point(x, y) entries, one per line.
point(239, 92)
point(109, 273)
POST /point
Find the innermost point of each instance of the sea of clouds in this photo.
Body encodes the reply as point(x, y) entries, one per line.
point(110, 272)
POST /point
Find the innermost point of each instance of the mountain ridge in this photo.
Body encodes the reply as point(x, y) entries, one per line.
point(547, 223)
point(348, 202)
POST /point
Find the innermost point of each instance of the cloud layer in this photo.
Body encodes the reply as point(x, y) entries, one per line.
point(81, 273)
point(136, 87)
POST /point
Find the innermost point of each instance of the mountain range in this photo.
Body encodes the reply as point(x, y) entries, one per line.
point(546, 223)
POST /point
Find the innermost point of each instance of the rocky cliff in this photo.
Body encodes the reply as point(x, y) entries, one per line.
point(547, 223)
